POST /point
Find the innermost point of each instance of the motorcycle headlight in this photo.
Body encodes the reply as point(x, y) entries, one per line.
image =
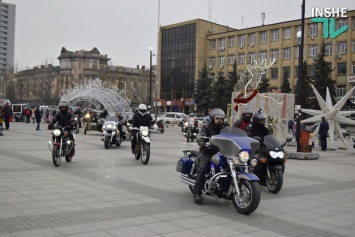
point(76, 119)
point(186, 124)
point(56, 132)
point(244, 156)
point(87, 116)
point(275, 154)
point(109, 126)
point(145, 133)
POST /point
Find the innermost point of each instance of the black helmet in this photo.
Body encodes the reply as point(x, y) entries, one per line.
point(217, 113)
point(259, 118)
point(105, 111)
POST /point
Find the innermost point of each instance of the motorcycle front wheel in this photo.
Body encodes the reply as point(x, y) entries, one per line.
point(145, 153)
point(188, 136)
point(138, 152)
point(107, 142)
point(249, 198)
point(57, 159)
point(275, 181)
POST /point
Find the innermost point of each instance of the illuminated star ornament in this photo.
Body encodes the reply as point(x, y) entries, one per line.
point(332, 114)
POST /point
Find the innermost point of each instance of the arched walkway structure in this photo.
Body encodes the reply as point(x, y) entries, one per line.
point(100, 94)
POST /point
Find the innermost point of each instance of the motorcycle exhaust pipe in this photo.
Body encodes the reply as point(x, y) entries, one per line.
point(187, 180)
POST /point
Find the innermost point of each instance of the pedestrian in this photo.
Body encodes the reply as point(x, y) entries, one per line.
point(33, 115)
point(28, 115)
point(291, 123)
point(38, 117)
point(7, 112)
point(323, 132)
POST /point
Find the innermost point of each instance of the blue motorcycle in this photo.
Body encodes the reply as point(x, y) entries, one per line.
point(230, 173)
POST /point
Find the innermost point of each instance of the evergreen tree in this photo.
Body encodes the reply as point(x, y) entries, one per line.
point(220, 93)
point(322, 76)
point(203, 90)
point(233, 78)
point(285, 87)
point(306, 90)
point(264, 86)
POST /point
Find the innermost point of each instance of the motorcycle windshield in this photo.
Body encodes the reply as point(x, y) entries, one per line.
point(270, 142)
point(232, 140)
point(111, 117)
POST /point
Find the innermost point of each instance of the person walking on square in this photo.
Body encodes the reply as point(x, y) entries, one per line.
point(33, 116)
point(323, 132)
point(38, 117)
point(7, 111)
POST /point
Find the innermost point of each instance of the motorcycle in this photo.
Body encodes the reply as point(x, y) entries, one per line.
point(230, 174)
point(76, 126)
point(143, 144)
point(160, 125)
point(271, 163)
point(110, 132)
point(62, 145)
point(190, 132)
point(18, 117)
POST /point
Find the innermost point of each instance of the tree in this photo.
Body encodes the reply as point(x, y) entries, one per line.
point(264, 86)
point(322, 75)
point(203, 90)
point(285, 87)
point(220, 93)
point(306, 91)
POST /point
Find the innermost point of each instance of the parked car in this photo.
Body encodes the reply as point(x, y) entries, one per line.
point(174, 118)
point(343, 129)
point(201, 121)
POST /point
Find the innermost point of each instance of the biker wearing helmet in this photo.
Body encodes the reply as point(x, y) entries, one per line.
point(139, 119)
point(120, 122)
point(210, 129)
point(63, 117)
point(245, 120)
point(258, 128)
point(104, 114)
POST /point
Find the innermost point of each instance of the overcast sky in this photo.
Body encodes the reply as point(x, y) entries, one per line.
point(124, 29)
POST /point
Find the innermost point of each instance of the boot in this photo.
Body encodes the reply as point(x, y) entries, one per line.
point(198, 199)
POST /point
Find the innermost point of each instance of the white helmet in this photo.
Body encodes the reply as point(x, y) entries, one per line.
point(142, 109)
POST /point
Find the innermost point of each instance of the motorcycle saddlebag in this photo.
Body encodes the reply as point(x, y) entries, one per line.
point(184, 165)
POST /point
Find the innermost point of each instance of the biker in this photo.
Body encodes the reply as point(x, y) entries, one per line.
point(210, 129)
point(245, 120)
point(192, 120)
point(139, 119)
point(79, 114)
point(63, 118)
point(257, 127)
point(104, 114)
point(120, 122)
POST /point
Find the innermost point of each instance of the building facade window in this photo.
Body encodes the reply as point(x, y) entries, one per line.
point(274, 73)
point(241, 40)
point(286, 72)
point(313, 29)
point(287, 53)
point(353, 46)
point(275, 54)
point(353, 68)
point(287, 33)
point(342, 47)
point(296, 71)
point(263, 37)
point(251, 57)
point(221, 43)
point(212, 61)
point(341, 90)
point(313, 50)
point(328, 48)
point(241, 58)
point(342, 22)
point(231, 59)
point(275, 35)
point(221, 60)
point(212, 44)
point(263, 55)
point(252, 39)
point(341, 68)
point(231, 41)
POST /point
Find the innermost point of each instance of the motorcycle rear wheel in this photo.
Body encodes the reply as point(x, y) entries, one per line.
point(274, 183)
point(107, 142)
point(249, 199)
point(145, 153)
point(56, 156)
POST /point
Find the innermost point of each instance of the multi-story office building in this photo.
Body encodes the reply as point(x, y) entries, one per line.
point(185, 47)
point(7, 34)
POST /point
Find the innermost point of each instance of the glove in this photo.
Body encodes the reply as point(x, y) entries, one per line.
point(50, 127)
point(201, 142)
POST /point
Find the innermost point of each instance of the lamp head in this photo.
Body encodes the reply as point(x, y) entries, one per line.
point(299, 34)
point(150, 48)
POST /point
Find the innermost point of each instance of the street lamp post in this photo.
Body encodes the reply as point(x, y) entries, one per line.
point(150, 76)
point(300, 36)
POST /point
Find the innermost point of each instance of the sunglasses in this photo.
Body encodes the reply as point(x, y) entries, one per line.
point(219, 118)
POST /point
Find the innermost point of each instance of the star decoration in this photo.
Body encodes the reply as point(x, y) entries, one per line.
point(331, 113)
